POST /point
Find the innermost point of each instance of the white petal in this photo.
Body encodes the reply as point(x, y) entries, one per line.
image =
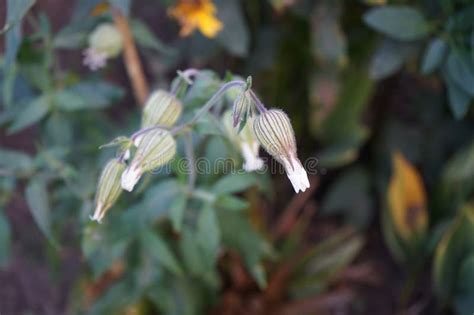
point(126, 155)
point(130, 177)
point(94, 59)
point(138, 139)
point(297, 174)
point(98, 213)
point(252, 161)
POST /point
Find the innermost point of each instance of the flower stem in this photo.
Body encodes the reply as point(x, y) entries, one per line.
point(261, 108)
point(211, 102)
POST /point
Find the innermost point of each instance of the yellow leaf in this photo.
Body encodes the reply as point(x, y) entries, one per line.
point(407, 199)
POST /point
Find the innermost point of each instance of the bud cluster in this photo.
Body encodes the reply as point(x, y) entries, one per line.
point(154, 145)
point(150, 148)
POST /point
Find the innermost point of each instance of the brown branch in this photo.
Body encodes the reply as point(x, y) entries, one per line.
point(288, 218)
point(131, 58)
point(324, 303)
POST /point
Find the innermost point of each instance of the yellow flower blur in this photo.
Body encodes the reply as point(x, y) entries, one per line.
point(407, 198)
point(200, 14)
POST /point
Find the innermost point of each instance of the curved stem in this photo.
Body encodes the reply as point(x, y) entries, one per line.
point(184, 77)
point(261, 108)
point(145, 130)
point(211, 102)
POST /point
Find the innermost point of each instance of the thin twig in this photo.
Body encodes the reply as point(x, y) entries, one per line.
point(131, 58)
point(288, 217)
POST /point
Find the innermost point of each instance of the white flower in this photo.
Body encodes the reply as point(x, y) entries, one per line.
point(155, 148)
point(246, 141)
point(296, 173)
point(104, 42)
point(273, 130)
point(250, 153)
point(98, 213)
point(94, 59)
point(131, 176)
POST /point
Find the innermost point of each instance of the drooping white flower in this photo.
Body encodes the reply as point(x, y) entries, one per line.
point(131, 176)
point(250, 154)
point(155, 148)
point(104, 42)
point(273, 130)
point(246, 142)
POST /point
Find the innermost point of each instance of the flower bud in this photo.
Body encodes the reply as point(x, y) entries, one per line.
point(246, 141)
point(108, 189)
point(104, 42)
point(241, 108)
point(275, 133)
point(156, 148)
point(106, 39)
point(161, 109)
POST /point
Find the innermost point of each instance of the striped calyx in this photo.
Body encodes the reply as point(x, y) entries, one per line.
point(274, 132)
point(161, 109)
point(155, 148)
point(108, 189)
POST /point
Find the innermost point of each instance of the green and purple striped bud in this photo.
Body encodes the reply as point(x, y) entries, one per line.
point(274, 132)
point(242, 108)
point(108, 188)
point(161, 109)
point(154, 149)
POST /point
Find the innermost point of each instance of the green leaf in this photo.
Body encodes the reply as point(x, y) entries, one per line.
point(88, 95)
point(234, 183)
point(239, 235)
point(15, 161)
point(323, 262)
point(349, 196)
point(160, 251)
point(389, 57)
point(104, 244)
point(145, 37)
point(456, 245)
point(36, 196)
point(399, 22)
point(159, 198)
point(458, 99)
point(5, 240)
point(74, 35)
point(232, 203)
point(208, 234)
point(434, 55)
point(31, 114)
point(234, 37)
point(16, 10)
point(461, 71)
point(177, 209)
point(464, 295)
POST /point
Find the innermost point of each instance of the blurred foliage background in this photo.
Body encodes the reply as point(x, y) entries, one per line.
point(380, 92)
